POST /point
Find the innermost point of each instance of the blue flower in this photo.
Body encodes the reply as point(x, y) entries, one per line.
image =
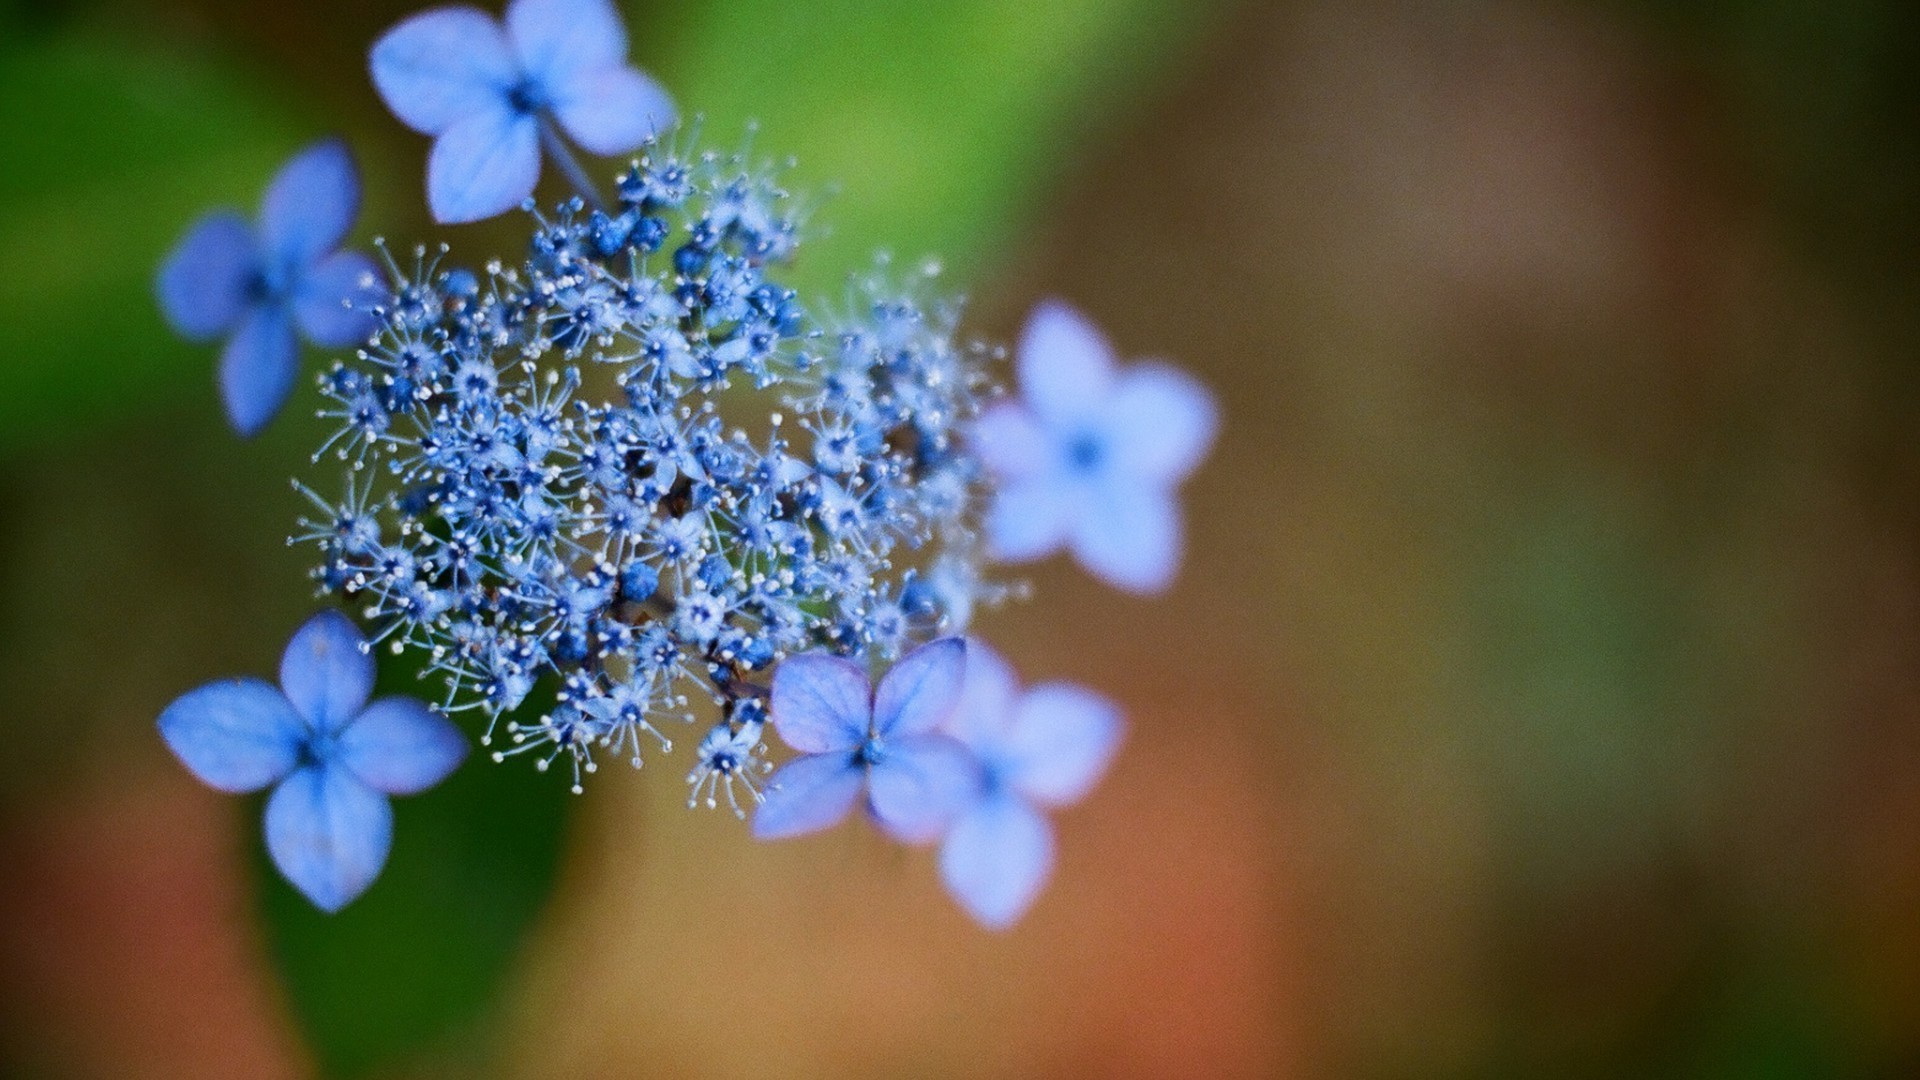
point(1044, 748)
point(255, 285)
point(489, 94)
point(853, 737)
point(1090, 455)
point(333, 756)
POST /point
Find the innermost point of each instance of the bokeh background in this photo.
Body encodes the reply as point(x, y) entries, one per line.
point(1540, 697)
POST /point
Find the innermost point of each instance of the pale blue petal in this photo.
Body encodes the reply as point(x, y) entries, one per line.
point(237, 735)
point(483, 165)
point(809, 793)
point(1012, 442)
point(555, 40)
point(399, 746)
point(257, 368)
point(921, 690)
point(333, 301)
point(920, 786)
point(206, 283)
point(1160, 423)
point(1030, 519)
point(996, 860)
point(986, 699)
point(1065, 365)
point(442, 66)
point(612, 110)
point(821, 703)
point(1129, 537)
point(325, 673)
point(310, 205)
point(1062, 739)
point(329, 834)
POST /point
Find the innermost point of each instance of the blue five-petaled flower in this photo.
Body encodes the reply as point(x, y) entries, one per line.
point(1044, 748)
point(334, 756)
point(489, 94)
point(255, 285)
point(885, 741)
point(1090, 456)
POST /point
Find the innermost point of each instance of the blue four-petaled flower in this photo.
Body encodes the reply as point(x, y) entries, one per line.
point(1044, 748)
point(885, 741)
point(1090, 456)
point(489, 94)
point(256, 284)
point(333, 756)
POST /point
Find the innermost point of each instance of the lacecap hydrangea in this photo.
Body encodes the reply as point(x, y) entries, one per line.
point(632, 475)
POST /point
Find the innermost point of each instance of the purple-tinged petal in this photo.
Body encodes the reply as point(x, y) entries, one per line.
point(207, 281)
point(996, 860)
point(1064, 363)
point(1030, 519)
point(325, 673)
point(334, 300)
point(236, 735)
point(612, 110)
point(987, 699)
point(1129, 537)
point(920, 785)
point(257, 368)
point(921, 690)
point(821, 703)
point(1160, 423)
point(441, 66)
point(310, 205)
point(483, 165)
point(329, 834)
point(1062, 739)
point(556, 39)
point(809, 793)
point(399, 746)
point(1012, 442)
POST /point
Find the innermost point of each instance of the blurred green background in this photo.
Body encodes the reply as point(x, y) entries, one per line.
point(1541, 696)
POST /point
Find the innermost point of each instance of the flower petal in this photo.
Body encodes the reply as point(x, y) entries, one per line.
point(922, 784)
point(556, 39)
point(996, 860)
point(1030, 519)
point(1160, 422)
point(329, 834)
point(1129, 537)
point(310, 205)
point(921, 690)
point(1012, 442)
point(1064, 363)
point(1060, 743)
point(399, 746)
point(821, 703)
point(483, 165)
point(809, 793)
point(325, 673)
point(204, 286)
point(334, 299)
point(441, 66)
point(236, 735)
point(612, 110)
point(257, 368)
point(987, 697)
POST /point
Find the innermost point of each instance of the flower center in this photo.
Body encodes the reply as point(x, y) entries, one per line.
point(526, 97)
point(1086, 452)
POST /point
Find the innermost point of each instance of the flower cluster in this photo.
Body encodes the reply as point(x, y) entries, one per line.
point(631, 475)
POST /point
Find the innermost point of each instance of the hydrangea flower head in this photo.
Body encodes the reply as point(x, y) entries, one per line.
point(256, 282)
point(332, 757)
point(854, 737)
point(1091, 455)
point(489, 94)
point(1046, 747)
